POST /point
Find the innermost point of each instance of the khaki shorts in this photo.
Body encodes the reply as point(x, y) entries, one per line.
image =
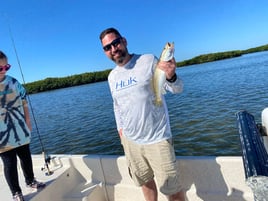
point(147, 161)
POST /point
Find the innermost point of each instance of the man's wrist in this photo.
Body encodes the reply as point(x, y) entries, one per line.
point(173, 78)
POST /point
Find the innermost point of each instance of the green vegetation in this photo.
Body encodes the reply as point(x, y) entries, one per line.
point(86, 78)
point(220, 55)
point(70, 81)
point(256, 49)
point(210, 57)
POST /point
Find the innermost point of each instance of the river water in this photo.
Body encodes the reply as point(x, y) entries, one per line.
point(80, 120)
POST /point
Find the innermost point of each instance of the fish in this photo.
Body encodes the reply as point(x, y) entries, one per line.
point(159, 76)
point(168, 52)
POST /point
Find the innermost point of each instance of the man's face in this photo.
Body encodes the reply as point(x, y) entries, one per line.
point(115, 48)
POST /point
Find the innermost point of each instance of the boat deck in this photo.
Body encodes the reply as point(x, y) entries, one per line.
point(105, 178)
point(40, 175)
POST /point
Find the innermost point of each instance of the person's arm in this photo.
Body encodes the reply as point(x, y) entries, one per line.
point(175, 86)
point(27, 114)
point(118, 119)
point(116, 108)
point(120, 132)
point(173, 83)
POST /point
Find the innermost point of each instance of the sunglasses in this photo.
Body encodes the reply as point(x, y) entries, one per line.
point(114, 43)
point(5, 68)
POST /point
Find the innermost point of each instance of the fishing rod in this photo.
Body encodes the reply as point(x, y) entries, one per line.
point(47, 158)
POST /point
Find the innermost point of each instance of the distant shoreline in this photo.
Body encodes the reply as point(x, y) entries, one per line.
point(204, 58)
point(92, 77)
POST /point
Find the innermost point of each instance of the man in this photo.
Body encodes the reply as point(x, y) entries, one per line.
point(142, 126)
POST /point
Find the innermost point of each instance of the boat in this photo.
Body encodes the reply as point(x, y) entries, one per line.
point(106, 177)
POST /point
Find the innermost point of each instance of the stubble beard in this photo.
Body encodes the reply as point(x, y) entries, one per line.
point(120, 60)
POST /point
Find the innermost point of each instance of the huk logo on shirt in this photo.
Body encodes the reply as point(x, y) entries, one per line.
point(126, 83)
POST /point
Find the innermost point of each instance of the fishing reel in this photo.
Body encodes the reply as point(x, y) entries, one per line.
point(47, 159)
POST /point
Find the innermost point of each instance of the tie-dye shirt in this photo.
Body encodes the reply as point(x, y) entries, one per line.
point(14, 131)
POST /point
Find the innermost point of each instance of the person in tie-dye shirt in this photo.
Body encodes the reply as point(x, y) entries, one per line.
point(15, 132)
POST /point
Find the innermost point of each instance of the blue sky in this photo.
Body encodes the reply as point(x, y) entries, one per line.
point(58, 38)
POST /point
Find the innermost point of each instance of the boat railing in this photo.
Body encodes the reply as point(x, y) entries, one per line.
point(254, 154)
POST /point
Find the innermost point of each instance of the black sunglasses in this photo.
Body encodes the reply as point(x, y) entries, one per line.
point(114, 43)
point(5, 68)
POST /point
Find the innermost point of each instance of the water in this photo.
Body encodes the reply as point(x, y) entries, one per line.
point(79, 120)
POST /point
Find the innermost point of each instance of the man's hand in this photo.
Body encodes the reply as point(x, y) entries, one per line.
point(169, 67)
point(120, 132)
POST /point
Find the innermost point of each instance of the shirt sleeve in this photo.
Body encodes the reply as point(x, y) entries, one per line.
point(22, 91)
point(174, 87)
point(119, 123)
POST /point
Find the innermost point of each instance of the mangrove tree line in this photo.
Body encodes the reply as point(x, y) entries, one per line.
point(92, 77)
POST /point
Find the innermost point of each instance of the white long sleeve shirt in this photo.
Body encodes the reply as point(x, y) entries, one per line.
point(133, 100)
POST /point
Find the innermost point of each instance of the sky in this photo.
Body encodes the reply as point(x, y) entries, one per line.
point(59, 38)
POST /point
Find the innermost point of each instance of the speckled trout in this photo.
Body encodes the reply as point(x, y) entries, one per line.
point(159, 77)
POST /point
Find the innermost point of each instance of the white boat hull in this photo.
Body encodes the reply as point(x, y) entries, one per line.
point(105, 178)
